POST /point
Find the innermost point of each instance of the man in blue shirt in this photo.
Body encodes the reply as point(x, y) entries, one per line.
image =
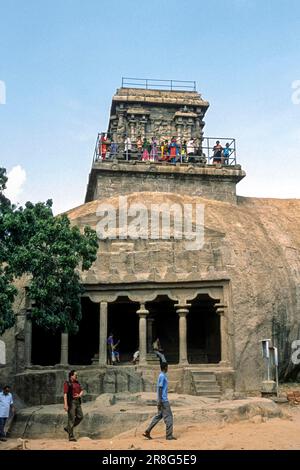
point(163, 405)
point(6, 404)
point(226, 154)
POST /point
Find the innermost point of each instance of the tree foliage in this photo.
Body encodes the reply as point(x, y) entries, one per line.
point(51, 252)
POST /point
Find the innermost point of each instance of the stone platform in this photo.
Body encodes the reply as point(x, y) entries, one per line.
point(44, 385)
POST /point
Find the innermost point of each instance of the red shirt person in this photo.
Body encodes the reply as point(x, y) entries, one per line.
point(72, 403)
point(103, 146)
point(217, 152)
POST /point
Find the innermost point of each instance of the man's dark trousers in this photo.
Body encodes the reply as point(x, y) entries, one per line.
point(2, 424)
point(75, 415)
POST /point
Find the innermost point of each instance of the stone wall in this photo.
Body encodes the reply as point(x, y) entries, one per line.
point(213, 188)
point(44, 386)
point(109, 179)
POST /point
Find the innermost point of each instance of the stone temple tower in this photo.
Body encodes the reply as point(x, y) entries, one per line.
point(160, 113)
point(139, 113)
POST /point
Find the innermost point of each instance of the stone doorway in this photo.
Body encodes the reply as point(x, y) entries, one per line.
point(165, 327)
point(85, 344)
point(203, 332)
point(123, 322)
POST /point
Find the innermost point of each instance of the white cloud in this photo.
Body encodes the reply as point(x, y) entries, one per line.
point(14, 186)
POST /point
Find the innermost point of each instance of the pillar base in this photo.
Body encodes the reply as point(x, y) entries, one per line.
point(224, 364)
point(268, 388)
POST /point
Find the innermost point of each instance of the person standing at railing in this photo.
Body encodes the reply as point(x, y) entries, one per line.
point(164, 150)
point(139, 146)
point(113, 149)
point(146, 150)
point(183, 152)
point(226, 154)
point(153, 151)
point(217, 156)
point(190, 148)
point(174, 150)
point(127, 147)
point(103, 146)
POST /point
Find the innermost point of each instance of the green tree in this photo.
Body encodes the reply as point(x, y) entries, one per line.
point(51, 252)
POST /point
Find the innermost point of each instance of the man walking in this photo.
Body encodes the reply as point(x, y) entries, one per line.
point(163, 405)
point(72, 403)
point(6, 405)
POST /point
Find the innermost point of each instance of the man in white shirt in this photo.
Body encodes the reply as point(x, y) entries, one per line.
point(190, 147)
point(127, 147)
point(6, 404)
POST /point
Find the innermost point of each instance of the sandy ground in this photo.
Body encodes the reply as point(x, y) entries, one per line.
point(258, 434)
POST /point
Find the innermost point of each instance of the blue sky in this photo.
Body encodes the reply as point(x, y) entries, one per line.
point(61, 62)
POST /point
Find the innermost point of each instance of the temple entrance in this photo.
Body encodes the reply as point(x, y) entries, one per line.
point(85, 344)
point(123, 322)
point(188, 318)
point(165, 327)
point(45, 346)
point(203, 332)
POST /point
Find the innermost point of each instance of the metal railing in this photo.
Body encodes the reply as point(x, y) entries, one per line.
point(156, 84)
point(209, 143)
point(206, 152)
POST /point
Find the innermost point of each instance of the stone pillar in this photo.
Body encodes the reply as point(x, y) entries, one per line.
point(64, 349)
point(103, 334)
point(142, 312)
point(28, 340)
point(182, 311)
point(179, 131)
point(220, 309)
point(150, 322)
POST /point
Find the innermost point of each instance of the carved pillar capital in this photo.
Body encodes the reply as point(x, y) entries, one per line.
point(182, 309)
point(220, 308)
point(142, 312)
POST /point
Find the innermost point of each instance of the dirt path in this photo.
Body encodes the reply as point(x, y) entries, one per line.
point(254, 434)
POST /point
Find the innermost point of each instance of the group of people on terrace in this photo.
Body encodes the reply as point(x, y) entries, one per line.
point(172, 151)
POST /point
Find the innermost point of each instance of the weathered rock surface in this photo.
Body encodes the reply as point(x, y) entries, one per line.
point(256, 244)
point(112, 414)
